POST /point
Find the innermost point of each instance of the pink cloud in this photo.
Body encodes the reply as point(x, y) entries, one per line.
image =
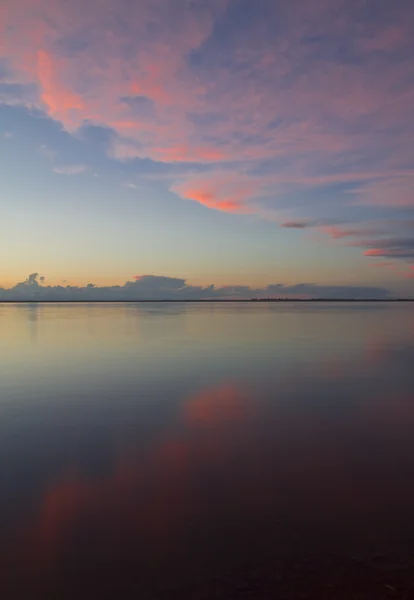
point(376, 252)
point(222, 193)
point(390, 252)
point(91, 83)
point(188, 154)
point(272, 99)
point(211, 201)
point(60, 102)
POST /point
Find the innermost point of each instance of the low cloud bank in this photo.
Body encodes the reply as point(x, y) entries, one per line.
point(154, 287)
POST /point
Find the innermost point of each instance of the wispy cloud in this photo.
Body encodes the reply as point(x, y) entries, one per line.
point(70, 169)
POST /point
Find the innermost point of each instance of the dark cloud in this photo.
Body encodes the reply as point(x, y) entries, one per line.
point(153, 287)
point(141, 106)
point(399, 248)
point(295, 224)
point(390, 243)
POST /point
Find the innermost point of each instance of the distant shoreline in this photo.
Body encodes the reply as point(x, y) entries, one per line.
point(210, 301)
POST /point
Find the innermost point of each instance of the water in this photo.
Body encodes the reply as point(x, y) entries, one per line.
point(206, 450)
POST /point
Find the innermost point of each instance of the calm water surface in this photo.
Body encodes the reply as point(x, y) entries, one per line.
point(206, 451)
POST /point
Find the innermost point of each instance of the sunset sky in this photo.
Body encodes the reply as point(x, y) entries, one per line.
point(248, 142)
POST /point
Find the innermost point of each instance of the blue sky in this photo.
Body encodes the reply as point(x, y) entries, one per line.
point(223, 142)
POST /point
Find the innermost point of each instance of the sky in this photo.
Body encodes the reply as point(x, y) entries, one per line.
point(228, 143)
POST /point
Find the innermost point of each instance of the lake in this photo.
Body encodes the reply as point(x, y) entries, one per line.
point(207, 450)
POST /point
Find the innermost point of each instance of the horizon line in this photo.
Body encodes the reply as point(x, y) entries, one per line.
point(206, 300)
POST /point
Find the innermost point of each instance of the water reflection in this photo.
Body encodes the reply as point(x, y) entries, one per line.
point(204, 468)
